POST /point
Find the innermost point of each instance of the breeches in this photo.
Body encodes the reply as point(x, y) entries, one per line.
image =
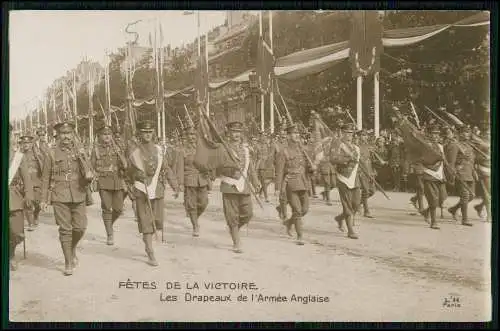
point(111, 203)
point(195, 200)
point(238, 208)
point(435, 193)
point(465, 194)
point(419, 184)
point(145, 218)
point(350, 198)
point(299, 202)
point(70, 217)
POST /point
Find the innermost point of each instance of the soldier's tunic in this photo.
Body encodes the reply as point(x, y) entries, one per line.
point(110, 182)
point(35, 165)
point(461, 158)
point(346, 158)
point(293, 182)
point(195, 184)
point(20, 191)
point(236, 195)
point(367, 185)
point(148, 160)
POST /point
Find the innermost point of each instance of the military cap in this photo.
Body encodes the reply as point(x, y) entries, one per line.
point(349, 128)
point(40, 131)
point(235, 126)
point(291, 128)
point(26, 139)
point(104, 129)
point(145, 126)
point(64, 125)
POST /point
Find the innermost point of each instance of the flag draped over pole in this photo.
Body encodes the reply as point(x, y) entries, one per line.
point(265, 60)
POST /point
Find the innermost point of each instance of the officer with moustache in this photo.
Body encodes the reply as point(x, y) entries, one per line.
point(346, 156)
point(194, 183)
point(20, 197)
point(110, 165)
point(65, 180)
point(292, 179)
point(236, 190)
point(35, 162)
point(149, 171)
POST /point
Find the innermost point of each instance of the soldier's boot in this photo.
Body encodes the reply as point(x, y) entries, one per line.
point(76, 236)
point(235, 236)
point(465, 220)
point(29, 218)
point(479, 209)
point(350, 227)
point(148, 242)
point(432, 213)
point(264, 190)
point(366, 209)
point(194, 222)
point(288, 224)
point(420, 199)
point(426, 213)
point(36, 214)
point(327, 196)
point(453, 211)
point(108, 225)
point(68, 256)
point(12, 253)
point(340, 222)
point(299, 228)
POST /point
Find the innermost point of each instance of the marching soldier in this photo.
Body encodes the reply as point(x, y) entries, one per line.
point(367, 185)
point(483, 165)
point(20, 197)
point(460, 156)
point(434, 181)
point(265, 164)
point(40, 142)
point(65, 179)
point(292, 172)
point(194, 183)
point(345, 155)
point(235, 180)
point(396, 161)
point(35, 161)
point(149, 170)
point(109, 164)
point(418, 199)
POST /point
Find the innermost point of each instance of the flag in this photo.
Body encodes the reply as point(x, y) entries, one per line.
point(265, 64)
point(209, 144)
point(202, 77)
point(321, 138)
point(365, 42)
point(417, 146)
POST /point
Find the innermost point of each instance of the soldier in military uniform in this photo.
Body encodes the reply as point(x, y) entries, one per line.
point(194, 183)
point(346, 155)
point(418, 199)
point(367, 184)
point(461, 157)
point(292, 179)
point(40, 142)
point(35, 161)
point(396, 161)
point(434, 181)
point(65, 179)
point(149, 170)
point(20, 197)
point(236, 191)
point(110, 165)
point(483, 166)
point(265, 164)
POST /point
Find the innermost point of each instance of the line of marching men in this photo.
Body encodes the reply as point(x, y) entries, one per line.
point(62, 176)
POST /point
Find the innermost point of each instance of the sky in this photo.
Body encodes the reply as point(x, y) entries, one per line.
point(44, 45)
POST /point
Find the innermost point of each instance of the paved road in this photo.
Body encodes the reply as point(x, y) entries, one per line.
point(399, 269)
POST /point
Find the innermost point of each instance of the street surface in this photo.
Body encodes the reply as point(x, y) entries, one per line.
point(398, 270)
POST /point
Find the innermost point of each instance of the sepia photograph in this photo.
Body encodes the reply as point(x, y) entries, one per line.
point(257, 166)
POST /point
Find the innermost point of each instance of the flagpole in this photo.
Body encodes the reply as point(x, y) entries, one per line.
point(91, 108)
point(46, 114)
point(262, 115)
point(271, 93)
point(162, 66)
point(206, 61)
point(157, 71)
point(376, 93)
point(38, 110)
